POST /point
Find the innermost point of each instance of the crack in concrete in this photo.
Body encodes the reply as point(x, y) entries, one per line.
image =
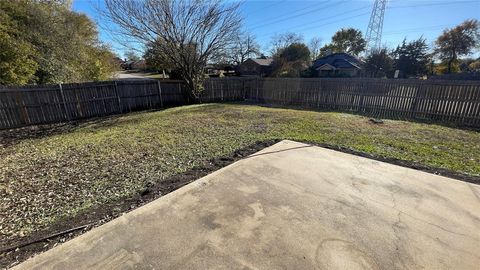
point(396, 226)
point(416, 218)
point(437, 226)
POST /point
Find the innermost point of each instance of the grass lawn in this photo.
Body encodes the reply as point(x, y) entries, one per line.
point(46, 178)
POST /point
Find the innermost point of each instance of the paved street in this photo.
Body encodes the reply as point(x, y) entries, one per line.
point(123, 75)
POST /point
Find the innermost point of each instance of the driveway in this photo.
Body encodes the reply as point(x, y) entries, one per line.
point(291, 206)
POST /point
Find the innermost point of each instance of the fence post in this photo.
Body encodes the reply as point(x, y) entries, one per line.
point(362, 96)
point(118, 96)
point(413, 109)
point(256, 97)
point(64, 102)
point(160, 94)
point(319, 91)
point(244, 91)
point(212, 92)
point(21, 107)
point(221, 90)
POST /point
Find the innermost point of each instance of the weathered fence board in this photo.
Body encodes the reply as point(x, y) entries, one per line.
point(456, 102)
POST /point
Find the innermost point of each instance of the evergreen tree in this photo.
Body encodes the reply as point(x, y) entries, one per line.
point(412, 58)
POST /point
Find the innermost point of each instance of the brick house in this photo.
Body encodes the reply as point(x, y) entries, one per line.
point(256, 67)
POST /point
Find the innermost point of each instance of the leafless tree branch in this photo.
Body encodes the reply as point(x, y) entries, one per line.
point(188, 32)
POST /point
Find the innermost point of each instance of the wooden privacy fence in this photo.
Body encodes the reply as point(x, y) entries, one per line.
point(455, 102)
point(31, 105)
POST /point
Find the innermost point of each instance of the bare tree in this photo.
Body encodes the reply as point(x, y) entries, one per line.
point(189, 32)
point(131, 56)
point(282, 41)
point(245, 47)
point(314, 45)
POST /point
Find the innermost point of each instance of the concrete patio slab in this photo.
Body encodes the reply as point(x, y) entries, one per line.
point(291, 206)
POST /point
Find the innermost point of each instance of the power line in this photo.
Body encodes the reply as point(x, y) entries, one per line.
point(295, 16)
point(284, 17)
point(344, 19)
point(414, 30)
point(435, 4)
point(278, 16)
point(333, 16)
point(324, 19)
point(366, 13)
point(276, 3)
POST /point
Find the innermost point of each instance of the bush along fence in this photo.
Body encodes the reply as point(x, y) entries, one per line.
point(452, 102)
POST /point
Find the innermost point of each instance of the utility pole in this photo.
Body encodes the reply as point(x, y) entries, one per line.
point(375, 26)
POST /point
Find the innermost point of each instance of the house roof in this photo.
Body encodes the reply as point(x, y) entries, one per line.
point(326, 67)
point(262, 61)
point(339, 61)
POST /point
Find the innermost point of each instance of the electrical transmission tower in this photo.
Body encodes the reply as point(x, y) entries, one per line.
point(375, 26)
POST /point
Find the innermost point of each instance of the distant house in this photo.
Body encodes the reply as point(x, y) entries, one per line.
point(256, 67)
point(140, 64)
point(219, 70)
point(132, 65)
point(128, 65)
point(118, 62)
point(338, 65)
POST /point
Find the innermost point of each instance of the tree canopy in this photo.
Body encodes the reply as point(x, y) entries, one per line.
point(379, 63)
point(155, 58)
point(131, 56)
point(17, 56)
point(412, 58)
point(46, 42)
point(296, 52)
point(458, 41)
point(348, 40)
point(281, 41)
point(291, 61)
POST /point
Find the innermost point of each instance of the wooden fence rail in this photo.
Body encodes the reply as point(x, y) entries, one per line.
point(456, 102)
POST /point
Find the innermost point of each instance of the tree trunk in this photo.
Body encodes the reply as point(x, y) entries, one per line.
point(450, 61)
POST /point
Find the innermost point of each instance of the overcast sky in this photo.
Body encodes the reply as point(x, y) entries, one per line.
point(321, 18)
